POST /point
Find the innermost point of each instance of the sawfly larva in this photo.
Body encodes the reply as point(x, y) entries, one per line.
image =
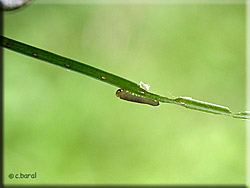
point(125, 95)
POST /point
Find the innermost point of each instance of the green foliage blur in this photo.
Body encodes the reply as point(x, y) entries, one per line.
point(72, 129)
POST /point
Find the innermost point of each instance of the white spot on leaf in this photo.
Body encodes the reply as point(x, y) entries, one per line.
point(144, 86)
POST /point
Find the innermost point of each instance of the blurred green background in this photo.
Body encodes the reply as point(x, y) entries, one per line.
point(72, 129)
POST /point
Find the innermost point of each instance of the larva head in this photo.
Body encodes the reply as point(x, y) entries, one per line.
point(119, 92)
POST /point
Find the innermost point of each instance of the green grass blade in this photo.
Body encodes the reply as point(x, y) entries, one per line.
point(115, 80)
point(69, 64)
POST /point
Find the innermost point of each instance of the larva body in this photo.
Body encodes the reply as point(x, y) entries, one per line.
point(122, 94)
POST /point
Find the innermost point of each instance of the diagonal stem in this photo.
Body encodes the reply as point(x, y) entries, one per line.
point(115, 80)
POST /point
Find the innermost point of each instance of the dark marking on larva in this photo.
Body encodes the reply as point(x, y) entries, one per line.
point(128, 96)
point(66, 65)
point(7, 45)
point(104, 78)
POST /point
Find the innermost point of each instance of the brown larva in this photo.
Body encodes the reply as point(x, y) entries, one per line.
point(123, 94)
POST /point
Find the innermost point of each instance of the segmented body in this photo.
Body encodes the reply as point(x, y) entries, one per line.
point(128, 96)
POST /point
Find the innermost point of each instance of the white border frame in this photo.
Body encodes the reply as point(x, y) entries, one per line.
point(246, 2)
point(248, 90)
